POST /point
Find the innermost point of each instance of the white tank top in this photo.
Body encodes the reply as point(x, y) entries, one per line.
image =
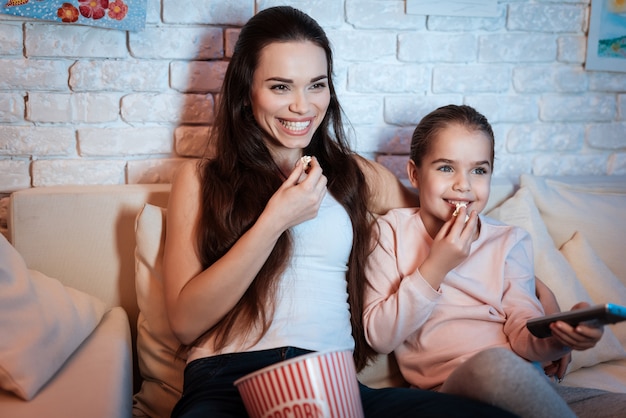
point(312, 310)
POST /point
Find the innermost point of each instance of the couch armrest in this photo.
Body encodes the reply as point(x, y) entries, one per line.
point(96, 381)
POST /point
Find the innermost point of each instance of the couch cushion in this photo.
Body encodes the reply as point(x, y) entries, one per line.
point(599, 281)
point(594, 206)
point(42, 322)
point(160, 364)
point(552, 268)
point(95, 382)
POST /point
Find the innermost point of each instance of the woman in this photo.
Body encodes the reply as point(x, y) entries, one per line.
point(263, 256)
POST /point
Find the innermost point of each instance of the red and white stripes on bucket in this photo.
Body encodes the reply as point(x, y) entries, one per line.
point(315, 385)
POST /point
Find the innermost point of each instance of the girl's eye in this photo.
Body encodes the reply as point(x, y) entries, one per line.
point(445, 169)
point(480, 170)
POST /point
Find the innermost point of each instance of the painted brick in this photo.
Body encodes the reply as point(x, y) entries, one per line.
point(571, 49)
point(11, 39)
point(208, 12)
point(197, 76)
point(468, 24)
point(537, 17)
point(498, 108)
point(426, 47)
point(395, 163)
point(193, 141)
point(153, 12)
point(230, 39)
point(177, 43)
point(576, 108)
point(45, 40)
point(473, 78)
point(544, 137)
point(363, 110)
point(39, 141)
point(394, 140)
point(512, 165)
point(111, 141)
point(546, 78)
point(14, 175)
point(375, 78)
point(33, 74)
point(517, 47)
point(73, 108)
point(382, 14)
point(128, 75)
point(73, 171)
point(610, 136)
point(176, 108)
point(607, 82)
point(328, 13)
point(367, 45)
point(409, 110)
point(11, 107)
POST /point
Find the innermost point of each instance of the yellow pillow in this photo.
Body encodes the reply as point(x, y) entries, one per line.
point(159, 365)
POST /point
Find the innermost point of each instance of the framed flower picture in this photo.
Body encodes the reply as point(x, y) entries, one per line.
point(127, 15)
point(606, 44)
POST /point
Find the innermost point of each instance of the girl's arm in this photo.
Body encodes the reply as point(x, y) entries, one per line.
point(520, 303)
point(396, 304)
point(196, 298)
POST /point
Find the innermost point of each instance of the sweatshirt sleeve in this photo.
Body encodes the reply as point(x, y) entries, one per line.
point(397, 303)
point(520, 304)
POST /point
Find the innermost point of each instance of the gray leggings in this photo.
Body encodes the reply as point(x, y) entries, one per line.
point(499, 377)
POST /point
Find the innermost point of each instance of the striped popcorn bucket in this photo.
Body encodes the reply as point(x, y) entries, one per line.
point(315, 385)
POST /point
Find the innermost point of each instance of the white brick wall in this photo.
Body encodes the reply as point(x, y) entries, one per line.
point(83, 105)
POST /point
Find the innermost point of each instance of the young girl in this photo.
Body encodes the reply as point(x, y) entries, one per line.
point(263, 256)
point(443, 288)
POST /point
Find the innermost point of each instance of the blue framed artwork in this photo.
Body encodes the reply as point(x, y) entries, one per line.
point(606, 44)
point(127, 15)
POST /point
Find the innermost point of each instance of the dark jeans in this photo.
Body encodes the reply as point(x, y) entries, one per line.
point(208, 391)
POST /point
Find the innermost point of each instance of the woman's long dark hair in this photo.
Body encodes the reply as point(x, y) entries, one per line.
point(238, 182)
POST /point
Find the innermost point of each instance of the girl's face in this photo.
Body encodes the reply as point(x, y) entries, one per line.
point(290, 95)
point(456, 169)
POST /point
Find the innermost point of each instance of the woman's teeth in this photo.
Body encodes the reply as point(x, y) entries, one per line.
point(295, 126)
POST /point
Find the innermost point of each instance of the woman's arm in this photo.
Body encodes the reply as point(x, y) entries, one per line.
point(197, 299)
point(386, 190)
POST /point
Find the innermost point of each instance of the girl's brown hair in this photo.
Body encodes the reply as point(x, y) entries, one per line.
point(428, 128)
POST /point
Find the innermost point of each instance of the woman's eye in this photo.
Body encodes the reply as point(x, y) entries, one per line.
point(318, 86)
point(279, 87)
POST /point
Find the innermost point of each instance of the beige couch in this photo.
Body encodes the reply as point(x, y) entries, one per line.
point(105, 241)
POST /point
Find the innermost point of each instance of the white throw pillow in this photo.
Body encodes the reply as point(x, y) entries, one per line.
point(603, 286)
point(593, 206)
point(552, 268)
point(42, 322)
point(160, 366)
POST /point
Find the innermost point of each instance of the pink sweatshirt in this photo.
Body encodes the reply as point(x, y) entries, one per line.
point(484, 302)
